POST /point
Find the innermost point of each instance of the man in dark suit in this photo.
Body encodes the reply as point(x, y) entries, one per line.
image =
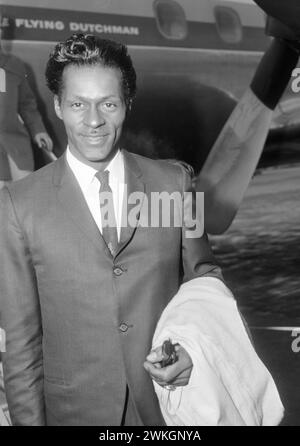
point(80, 299)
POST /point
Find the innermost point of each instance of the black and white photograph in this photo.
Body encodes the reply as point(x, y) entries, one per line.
point(149, 215)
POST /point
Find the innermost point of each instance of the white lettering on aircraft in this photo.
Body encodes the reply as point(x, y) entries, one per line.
point(99, 28)
point(58, 25)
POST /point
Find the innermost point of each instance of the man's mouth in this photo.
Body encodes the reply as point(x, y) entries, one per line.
point(95, 137)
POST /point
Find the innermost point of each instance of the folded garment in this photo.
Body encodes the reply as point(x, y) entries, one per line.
point(229, 384)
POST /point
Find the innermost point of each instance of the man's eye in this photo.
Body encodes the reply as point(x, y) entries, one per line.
point(77, 105)
point(109, 105)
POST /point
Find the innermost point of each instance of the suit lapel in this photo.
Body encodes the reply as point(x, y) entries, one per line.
point(131, 211)
point(73, 202)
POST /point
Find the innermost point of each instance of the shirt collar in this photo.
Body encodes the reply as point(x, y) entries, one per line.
point(85, 174)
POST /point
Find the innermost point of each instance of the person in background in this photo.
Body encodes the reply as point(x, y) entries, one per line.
point(17, 101)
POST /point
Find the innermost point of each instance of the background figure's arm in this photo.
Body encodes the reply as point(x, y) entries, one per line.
point(27, 108)
point(231, 163)
point(28, 111)
point(21, 319)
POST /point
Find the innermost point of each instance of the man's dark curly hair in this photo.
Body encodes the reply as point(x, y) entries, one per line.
point(86, 49)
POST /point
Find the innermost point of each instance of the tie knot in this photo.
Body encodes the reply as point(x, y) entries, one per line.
point(103, 177)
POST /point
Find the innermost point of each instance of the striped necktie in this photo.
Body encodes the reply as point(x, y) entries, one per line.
point(108, 218)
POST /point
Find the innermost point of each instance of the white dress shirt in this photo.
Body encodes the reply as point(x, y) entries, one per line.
point(90, 185)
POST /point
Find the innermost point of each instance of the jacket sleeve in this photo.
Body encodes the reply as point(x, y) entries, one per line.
point(21, 320)
point(197, 257)
point(27, 108)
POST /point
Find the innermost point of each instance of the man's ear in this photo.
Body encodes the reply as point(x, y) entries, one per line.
point(57, 107)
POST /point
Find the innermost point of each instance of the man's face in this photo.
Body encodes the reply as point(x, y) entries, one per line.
point(93, 110)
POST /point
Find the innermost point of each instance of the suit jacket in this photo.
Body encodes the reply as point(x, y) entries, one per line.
point(79, 322)
point(18, 99)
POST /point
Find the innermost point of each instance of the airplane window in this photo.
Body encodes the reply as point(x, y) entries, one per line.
point(170, 19)
point(228, 24)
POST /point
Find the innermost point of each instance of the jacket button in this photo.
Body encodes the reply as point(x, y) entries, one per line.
point(118, 271)
point(123, 327)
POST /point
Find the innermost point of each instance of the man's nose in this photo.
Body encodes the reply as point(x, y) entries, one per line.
point(94, 117)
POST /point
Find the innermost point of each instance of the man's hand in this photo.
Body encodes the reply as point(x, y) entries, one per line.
point(42, 139)
point(177, 374)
